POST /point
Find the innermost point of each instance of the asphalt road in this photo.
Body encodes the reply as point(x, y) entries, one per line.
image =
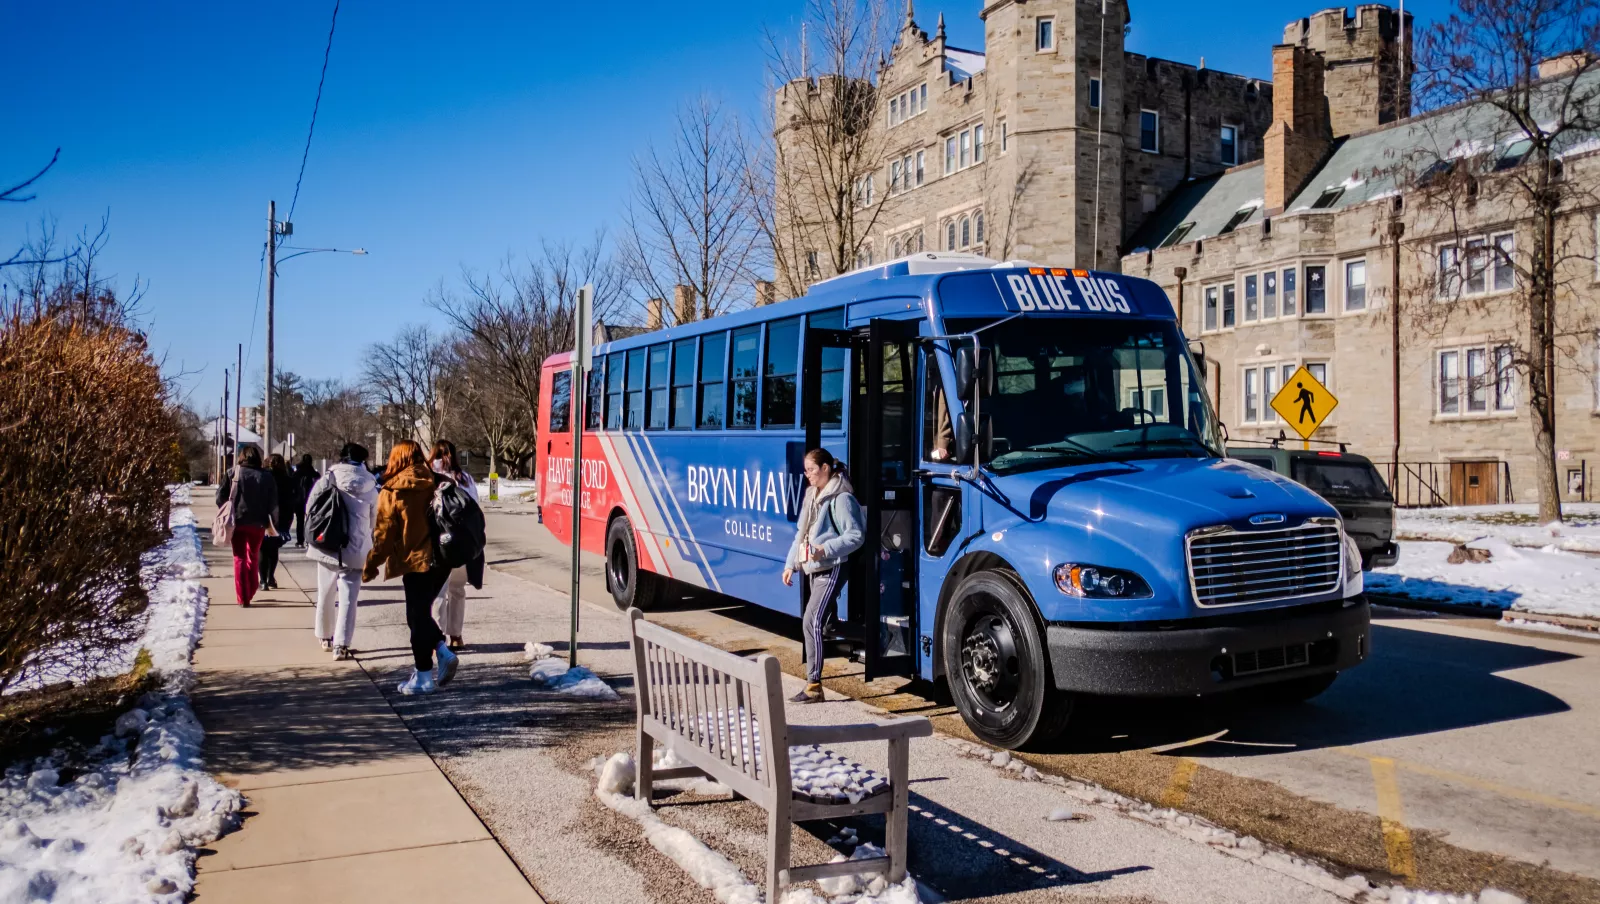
point(1461, 755)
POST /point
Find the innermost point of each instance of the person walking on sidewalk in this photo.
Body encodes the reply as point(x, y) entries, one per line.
point(305, 477)
point(402, 545)
point(339, 573)
point(452, 602)
point(830, 529)
point(255, 504)
point(278, 532)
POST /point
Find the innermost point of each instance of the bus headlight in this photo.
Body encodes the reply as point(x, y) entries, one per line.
point(1354, 583)
point(1095, 582)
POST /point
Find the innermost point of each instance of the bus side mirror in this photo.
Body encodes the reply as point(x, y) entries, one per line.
point(974, 371)
point(964, 437)
point(967, 435)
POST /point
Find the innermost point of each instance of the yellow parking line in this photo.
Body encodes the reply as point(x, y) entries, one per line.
point(1391, 817)
point(1510, 791)
point(1177, 791)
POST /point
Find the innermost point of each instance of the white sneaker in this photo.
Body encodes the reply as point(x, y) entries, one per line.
point(340, 654)
point(448, 661)
point(418, 683)
point(327, 646)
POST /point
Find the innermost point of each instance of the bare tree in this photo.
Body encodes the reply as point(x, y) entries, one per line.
point(48, 278)
point(14, 195)
point(402, 379)
point(691, 220)
point(519, 316)
point(1523, 78)
point(488, 416)
point(816, 183)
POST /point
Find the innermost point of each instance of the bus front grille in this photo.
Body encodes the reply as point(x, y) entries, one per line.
point(1229, 567)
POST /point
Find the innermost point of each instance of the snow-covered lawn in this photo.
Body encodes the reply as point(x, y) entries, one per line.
point(119, 823)
point(1515, 524)
point(1548, 580)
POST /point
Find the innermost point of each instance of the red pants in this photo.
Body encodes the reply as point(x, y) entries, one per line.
point(247, 561)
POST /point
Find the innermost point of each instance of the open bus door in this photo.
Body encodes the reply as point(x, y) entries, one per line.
point(882, 586)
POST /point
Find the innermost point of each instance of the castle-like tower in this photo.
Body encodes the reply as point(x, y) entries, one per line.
point(1369, 66)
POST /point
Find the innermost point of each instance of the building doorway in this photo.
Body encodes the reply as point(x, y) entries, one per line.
point(1475, 483)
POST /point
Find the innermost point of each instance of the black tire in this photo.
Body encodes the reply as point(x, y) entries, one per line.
point(998, 666)
point(1296, 690)
point(631, 587)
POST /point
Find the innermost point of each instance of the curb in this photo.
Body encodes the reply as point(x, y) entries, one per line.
point(1569, 622)
point(1406, 602)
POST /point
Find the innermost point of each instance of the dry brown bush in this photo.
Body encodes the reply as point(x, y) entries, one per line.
point(85, 452)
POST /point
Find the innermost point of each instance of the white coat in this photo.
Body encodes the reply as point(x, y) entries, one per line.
point(360, 491)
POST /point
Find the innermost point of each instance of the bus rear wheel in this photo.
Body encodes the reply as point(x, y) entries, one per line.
point(631, 587)
point(998, 666)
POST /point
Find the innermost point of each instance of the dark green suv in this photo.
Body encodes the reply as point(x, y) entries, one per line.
point(1346, 480)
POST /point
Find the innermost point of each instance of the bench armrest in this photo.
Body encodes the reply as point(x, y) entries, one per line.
point(892, 730)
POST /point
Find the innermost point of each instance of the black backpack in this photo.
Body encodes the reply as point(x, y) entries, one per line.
point(327, 520)
point(458, 526)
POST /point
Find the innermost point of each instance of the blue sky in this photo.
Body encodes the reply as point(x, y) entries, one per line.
point(450, 135)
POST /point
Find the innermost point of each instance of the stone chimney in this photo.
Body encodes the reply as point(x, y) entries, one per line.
point(766, 292)
point(652, 314)
point(683, 303)
point(1565, 64)
point(1299, 134)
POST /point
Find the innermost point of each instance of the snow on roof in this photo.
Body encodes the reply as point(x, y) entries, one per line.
point(964, 64)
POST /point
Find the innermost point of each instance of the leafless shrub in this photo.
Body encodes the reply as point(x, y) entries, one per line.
point(86, 448)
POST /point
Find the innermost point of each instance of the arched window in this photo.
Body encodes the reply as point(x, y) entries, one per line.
point(919, 240)
point(980, 227)
point(950, 236)
point(894, 249)
point(966, 232)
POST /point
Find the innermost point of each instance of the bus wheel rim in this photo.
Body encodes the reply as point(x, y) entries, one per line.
point(989, 661)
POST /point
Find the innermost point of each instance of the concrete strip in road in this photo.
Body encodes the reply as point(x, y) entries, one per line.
point(343, 804)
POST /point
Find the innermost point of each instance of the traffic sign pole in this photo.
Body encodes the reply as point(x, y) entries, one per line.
point(581, 357)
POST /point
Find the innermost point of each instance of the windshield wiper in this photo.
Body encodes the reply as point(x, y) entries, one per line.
point(1071, 445)
point(1165, 441)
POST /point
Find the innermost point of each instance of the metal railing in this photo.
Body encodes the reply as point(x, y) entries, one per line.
point(1435, 484)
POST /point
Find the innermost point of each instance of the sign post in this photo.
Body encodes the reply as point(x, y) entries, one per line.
point(1304, 403)
point(494, 487)
point(581, 357)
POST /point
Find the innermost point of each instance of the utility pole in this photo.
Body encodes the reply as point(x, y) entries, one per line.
point(238, 400)
point(272, 274)
point(222, 446)
point(581, 356)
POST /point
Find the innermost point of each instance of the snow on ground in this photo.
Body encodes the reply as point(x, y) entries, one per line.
point(1549, 580)
point(713, 871)
point(120, 823)
point(1516, 524)
point(552, 674)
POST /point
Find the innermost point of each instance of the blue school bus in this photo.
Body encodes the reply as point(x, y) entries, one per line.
point(1049, 509)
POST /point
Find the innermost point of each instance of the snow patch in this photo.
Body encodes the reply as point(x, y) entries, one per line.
point(553, 674)
point(533, 651)
point(124, 827)
point(1548, 581)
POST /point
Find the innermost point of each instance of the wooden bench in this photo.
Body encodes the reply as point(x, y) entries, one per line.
point(723, 714)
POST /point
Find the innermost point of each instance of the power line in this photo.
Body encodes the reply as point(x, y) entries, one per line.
point(256, 313)
point(328, 51)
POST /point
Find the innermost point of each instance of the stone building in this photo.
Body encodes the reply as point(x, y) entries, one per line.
point(1338, 252)
point(1013, 149)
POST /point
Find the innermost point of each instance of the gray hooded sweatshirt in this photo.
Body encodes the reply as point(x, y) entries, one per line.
point(831, 520)
point(360, 491)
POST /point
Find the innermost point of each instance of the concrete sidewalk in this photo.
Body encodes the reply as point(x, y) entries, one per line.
point(343, 803)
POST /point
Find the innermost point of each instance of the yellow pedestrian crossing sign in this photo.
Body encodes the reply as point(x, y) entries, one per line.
point(1304, 402)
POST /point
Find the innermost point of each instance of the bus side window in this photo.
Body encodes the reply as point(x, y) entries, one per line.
point(746, 370)
point(937, 430)
point(899, 410)
point(657, 402)
point(594, 398)
point(616, 369)
point(713, 355)
point(780, 393)
point(941, 518)
point(561, 402)
point(683, 384)
point(635, 395)
point(833, 364)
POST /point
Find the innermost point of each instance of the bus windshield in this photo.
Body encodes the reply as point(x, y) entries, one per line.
point(1071, 389)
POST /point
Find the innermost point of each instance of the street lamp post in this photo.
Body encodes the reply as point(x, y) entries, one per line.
point(274, 230)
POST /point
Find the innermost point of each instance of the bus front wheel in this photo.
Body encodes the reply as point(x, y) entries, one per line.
point(998, 666)
point(631, 586)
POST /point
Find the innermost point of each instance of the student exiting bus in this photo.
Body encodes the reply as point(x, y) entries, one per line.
point(830, 529)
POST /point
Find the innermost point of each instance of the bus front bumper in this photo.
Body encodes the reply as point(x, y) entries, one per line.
point(1259, 648)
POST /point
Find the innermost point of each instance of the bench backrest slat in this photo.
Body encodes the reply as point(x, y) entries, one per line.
point(726, 711)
